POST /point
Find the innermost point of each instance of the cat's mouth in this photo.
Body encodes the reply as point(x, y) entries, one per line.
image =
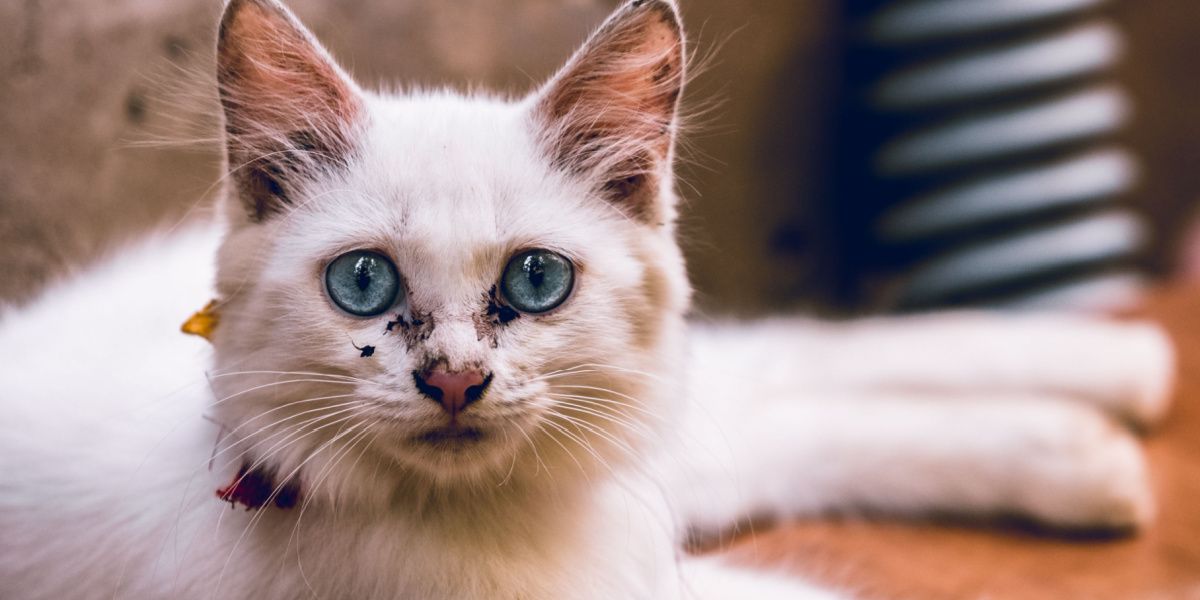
point(450, 437)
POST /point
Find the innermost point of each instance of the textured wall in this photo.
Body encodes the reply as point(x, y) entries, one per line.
point(104, 113)
point(74, 83)
point(1162, 73)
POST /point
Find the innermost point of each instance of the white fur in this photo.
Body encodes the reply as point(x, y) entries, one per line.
point(107, 485)
point(108, 489)
point(600, 451)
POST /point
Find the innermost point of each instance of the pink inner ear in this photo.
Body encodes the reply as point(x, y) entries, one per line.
point(610, 113)
point(288, 107)
point(625, 82)
point(275, 78)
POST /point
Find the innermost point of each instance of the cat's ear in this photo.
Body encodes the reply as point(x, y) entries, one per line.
point(290, 111)
point(610, 114)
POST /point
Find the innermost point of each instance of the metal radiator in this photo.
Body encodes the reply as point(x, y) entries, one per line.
point(979, 158)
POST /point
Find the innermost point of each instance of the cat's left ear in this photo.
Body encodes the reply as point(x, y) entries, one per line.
point(610, 115)
point(290, 111)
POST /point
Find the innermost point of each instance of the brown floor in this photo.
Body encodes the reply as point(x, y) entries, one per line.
point(940, 561)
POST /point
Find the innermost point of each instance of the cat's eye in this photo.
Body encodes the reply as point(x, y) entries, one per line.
point(536, 281)
point(362, 283)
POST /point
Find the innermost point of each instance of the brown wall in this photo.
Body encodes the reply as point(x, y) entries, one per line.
point(1162, 71)
point(86, 85)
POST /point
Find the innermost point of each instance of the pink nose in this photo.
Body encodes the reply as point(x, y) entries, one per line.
point(454, 390)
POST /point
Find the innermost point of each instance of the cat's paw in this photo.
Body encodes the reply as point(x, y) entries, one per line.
point(1092, 475)
point(1150, 373)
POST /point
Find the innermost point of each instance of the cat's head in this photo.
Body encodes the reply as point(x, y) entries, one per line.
point(462, 289)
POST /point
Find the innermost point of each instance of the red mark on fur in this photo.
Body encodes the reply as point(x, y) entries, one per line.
point(255, 488)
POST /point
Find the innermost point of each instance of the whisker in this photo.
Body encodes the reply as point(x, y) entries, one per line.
point(513, 465)
point(598, 389)
point(634, 426)
point(551, 437)
point(562, 373)
point(221, 517)
point(274, 493)
point(619, 369)
point(299, 373)
point(288, 418)
point(599, 432)
point(587, 447)
point(297, 430)
point(607, 402)
point(540, 464)
point(295, 535)
point(267, 385)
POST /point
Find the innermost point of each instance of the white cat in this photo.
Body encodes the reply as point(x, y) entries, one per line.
point(451, 362)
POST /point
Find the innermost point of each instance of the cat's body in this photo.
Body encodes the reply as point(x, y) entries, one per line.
point(109, 489)
point(587, 449)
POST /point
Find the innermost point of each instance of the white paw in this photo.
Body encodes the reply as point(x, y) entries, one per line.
point(1091, 475)
point(1151, 365)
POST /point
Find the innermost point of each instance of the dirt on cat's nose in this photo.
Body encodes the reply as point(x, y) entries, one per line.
point(454, 390)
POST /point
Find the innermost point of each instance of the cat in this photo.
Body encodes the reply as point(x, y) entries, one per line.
point(451, 360)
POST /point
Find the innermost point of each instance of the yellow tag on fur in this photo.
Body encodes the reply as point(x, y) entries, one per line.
point(203, 322)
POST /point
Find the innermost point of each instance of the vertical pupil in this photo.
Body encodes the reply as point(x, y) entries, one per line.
point(535, 270)
point(362, 273)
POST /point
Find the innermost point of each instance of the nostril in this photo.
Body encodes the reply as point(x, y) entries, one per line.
point(424, 387)
point(475, 392)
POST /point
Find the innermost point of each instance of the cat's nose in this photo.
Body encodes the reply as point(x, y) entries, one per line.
point(454, 390)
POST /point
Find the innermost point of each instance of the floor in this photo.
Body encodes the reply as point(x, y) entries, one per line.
point(947, 561)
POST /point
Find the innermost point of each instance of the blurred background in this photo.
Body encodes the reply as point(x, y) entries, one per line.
point(847, 156)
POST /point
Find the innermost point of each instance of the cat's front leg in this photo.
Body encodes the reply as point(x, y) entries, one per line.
point(1124, 368)
point(1055, 462)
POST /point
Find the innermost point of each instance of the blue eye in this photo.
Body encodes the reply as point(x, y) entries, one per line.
point(537, 280)
point(362, 283)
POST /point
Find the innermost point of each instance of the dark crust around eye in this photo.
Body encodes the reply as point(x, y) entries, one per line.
point(414, 329)
point(496, 308)
point(495, 314)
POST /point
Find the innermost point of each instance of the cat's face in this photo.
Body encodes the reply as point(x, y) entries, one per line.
point(463, 288)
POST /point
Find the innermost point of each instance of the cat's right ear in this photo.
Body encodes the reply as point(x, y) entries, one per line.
point(610, 115)
point(290, 111)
